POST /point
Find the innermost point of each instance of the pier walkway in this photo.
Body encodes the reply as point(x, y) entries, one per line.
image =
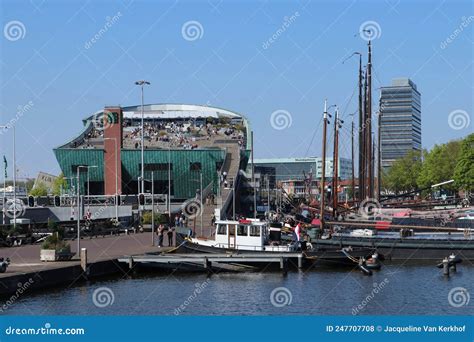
point(102, 255)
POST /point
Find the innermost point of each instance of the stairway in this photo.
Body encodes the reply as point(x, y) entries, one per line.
point(231, 166)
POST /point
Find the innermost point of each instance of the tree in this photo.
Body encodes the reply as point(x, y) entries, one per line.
point(402, 175)
point(439, 164)
point(39, 190)
point(59, 184)
point(464, 170)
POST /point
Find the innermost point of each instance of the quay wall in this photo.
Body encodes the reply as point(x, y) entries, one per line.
point(61, 276)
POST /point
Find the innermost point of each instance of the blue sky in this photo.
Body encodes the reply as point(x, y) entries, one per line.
point(56, 75)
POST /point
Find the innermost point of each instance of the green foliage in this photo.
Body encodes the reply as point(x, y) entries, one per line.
point(453, 160)
point(224, 120)
point(58, 184)
point(56, 243)
point(464, 170)
point(54, 227)
point(159, 218)
point(239, 127)
point(211, 120)
point(439, 165)
point(39, 190)
point(402, 175)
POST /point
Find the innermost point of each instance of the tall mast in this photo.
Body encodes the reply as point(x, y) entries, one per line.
point(361, 134)
point(369, 124)
point(334, 172)
point(379, 153)
point(352, 159)
point(365, 127)
point(323, 166)
point(335, 163)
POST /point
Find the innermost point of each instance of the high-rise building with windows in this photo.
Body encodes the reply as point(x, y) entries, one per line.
point(400, 125)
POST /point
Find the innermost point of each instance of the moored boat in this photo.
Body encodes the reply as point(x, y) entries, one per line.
point(406, 245)
point(256, 237)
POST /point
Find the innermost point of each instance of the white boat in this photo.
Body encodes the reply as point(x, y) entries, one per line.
point(245, 235)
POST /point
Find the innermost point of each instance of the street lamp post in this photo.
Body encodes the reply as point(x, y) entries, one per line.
point(200, 214)
point(152, 206)
point(78, 205)
point(116, 178)
point(142, 84)
point(152, 209)
point(14, 174)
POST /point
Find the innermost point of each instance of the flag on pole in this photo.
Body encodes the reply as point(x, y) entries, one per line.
point(6, 165)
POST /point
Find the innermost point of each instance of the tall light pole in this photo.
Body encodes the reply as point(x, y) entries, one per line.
point(14, 174)
point(253, 180)
point(142, 84)
point(116, 178)
point(200, 192)
point(152, 209)
point(169, 178)
point(78, 205)
point(326, 115)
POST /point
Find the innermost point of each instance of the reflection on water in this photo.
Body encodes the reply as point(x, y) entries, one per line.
point(393, 291)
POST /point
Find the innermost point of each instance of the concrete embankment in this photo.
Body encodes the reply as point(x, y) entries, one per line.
point(27, 273)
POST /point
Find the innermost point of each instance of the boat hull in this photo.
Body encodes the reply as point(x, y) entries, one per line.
point(322, 255)
point(406, 249)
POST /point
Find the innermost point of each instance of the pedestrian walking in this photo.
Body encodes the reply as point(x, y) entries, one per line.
point(170, 236)
point(213, 219)
point(160, 232)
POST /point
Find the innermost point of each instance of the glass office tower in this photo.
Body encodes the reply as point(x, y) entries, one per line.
point(400, 120)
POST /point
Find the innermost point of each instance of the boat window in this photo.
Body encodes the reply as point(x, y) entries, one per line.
point(242, 230)
point(254, 231)
point(231, 230)
point(222, 229)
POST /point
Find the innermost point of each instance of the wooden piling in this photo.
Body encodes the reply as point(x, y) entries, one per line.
point(446, 267)
point(83, 255)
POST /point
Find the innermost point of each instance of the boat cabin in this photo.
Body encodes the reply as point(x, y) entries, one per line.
point(245, 234)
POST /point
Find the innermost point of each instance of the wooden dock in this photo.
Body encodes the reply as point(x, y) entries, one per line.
point(215, 262)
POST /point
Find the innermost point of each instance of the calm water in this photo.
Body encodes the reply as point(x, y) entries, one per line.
point(394, 290)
